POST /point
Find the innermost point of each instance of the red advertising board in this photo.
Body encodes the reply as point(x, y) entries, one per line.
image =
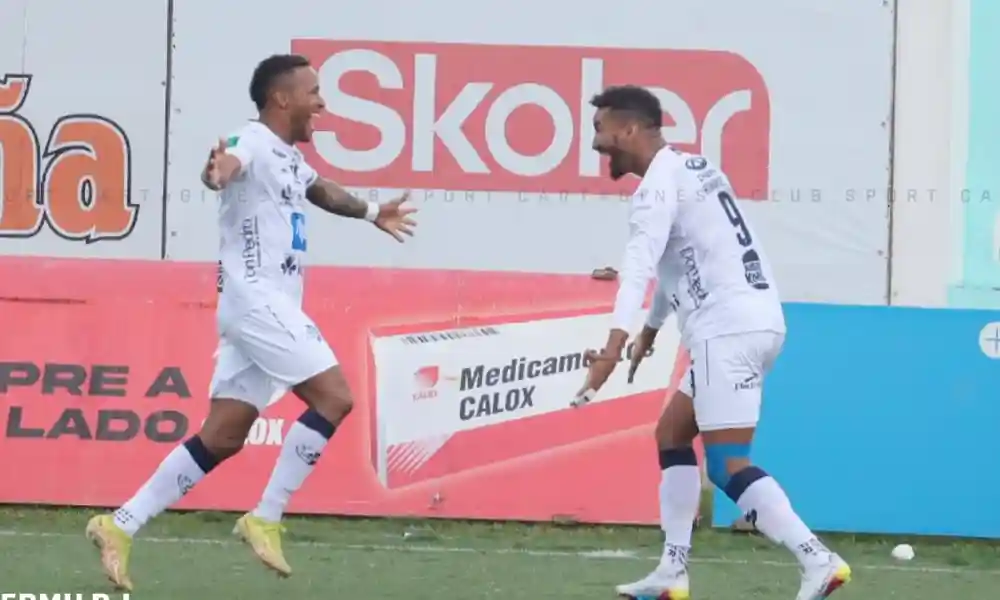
point(105, 365)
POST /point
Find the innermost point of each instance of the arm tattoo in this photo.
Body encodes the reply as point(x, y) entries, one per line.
point(336, 200)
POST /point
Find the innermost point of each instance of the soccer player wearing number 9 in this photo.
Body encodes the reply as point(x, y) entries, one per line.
point(687, 231)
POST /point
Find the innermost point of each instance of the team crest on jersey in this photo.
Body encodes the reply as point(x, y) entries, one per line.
point(291, 266)
point(696, 163)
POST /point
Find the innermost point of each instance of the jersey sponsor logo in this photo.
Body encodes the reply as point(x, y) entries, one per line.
point(251, 253)
point(754, 271)
point(517, 118)
point(747, 384)
point(692, 274)
point(696, 163)
point(299, 232)
point(78, 184)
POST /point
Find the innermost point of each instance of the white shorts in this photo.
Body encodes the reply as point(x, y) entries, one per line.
point(267, 351)
point(726, 378)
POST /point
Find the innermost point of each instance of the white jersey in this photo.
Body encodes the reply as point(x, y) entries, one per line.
point(687, 231)
point(262, 219)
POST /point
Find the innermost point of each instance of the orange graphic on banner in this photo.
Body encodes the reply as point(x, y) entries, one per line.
point(79, 183)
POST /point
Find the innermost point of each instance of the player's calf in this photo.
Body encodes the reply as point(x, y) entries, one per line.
point(329, 401)
point(680, 495)
point(727, 455)
point(261, 528)
point(680, 481)
point(221, 437)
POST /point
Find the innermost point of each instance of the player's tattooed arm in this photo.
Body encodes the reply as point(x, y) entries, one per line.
point(334, 199)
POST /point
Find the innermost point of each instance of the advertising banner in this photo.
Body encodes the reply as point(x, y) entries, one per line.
point(445, 398)
point(82, 131)
point(96, 388)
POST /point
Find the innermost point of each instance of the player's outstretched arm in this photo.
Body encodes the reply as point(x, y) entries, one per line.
point(391, 217)
point(334, 199)
point(221, 167)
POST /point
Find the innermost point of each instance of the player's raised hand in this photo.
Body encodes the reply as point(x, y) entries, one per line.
point(211, 176)
point(395, 218)
point(641, 349)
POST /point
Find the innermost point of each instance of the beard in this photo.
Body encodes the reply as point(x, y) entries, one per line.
point(301, 128)
point(615, 168)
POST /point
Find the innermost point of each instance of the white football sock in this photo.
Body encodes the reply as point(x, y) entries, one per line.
point(776, 519)
point(175, 476)
point(680, 497)
point(299, 454)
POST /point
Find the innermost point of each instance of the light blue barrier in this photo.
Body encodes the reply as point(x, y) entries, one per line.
point(884, 420)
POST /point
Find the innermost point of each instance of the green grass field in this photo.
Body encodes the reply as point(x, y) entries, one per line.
point(194, 556)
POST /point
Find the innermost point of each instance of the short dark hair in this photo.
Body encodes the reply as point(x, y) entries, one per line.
point(640, 104)
point(269, 71)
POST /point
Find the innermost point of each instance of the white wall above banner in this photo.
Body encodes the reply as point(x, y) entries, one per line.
point(485, 115)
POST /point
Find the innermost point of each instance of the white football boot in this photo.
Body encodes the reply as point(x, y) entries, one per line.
point(824, 578)
point(669, 581)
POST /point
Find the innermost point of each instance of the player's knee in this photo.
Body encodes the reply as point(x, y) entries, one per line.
point(671, 434)
point(221, 443)
point(676, 427)
point(335, 404)
point(724, 461)
point(741, 480)
point(328, 394)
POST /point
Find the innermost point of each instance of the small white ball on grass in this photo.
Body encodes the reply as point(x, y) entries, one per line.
point(903, 552)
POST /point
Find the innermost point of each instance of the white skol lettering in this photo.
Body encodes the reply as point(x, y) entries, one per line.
point(447, 127)
point(429, 125)
point(361, 110)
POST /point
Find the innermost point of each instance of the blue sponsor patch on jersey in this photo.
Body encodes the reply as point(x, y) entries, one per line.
point(299, 231)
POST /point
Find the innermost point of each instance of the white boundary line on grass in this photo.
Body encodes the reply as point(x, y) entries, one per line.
point(591, 554)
